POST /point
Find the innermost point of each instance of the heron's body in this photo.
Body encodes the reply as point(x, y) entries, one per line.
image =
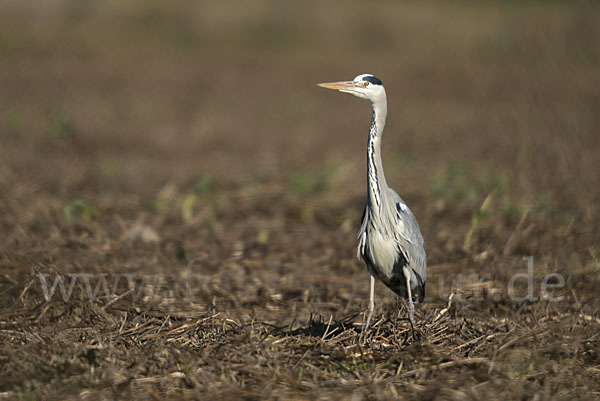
point(389, 239)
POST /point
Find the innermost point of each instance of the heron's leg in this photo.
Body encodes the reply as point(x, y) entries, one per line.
point(371, 303)
point(411, 306)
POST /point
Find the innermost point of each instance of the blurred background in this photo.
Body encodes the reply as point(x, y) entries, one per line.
point(188, 140)
point(207, 113)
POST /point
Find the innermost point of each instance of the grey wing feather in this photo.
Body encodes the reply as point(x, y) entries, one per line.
point(408, 235)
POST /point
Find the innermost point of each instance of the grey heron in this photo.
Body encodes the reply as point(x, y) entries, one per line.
point(389, 239)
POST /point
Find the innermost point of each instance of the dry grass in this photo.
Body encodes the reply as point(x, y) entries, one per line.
point(182, 155)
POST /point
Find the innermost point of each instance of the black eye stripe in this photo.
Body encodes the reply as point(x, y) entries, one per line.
point(372, 79)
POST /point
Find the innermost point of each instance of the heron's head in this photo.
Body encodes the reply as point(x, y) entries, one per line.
point(364, 86)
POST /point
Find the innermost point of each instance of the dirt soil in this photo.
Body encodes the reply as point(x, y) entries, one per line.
point(179, 201)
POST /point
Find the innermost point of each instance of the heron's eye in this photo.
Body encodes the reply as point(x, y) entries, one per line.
point(365, 84)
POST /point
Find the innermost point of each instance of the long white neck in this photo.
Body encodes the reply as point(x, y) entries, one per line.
point(376, 183)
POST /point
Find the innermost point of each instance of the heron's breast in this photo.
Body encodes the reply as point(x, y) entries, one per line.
point(383, 252)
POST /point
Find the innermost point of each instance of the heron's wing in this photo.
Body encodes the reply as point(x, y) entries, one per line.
point(362, 233)
point(407, 234)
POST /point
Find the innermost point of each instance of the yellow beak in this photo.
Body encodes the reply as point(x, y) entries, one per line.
point(340, 86)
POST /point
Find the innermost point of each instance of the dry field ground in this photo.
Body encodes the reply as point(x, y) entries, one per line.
point(179, 201)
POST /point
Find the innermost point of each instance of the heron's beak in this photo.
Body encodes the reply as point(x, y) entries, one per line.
point(344, 86)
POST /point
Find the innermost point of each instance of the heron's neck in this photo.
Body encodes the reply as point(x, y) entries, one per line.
point(376, 183)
